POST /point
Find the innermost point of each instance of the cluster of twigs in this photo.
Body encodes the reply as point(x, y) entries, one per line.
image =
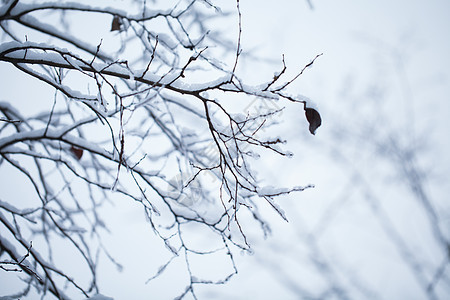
point(145, 122)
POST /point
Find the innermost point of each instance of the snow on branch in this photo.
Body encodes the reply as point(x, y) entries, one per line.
point(165, 120)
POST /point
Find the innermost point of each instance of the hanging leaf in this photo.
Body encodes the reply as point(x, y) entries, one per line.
point(313, 118)
point(77, 152)
point(116, 23)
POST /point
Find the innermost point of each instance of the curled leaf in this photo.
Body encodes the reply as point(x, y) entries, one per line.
point(77, 152)
point(313, 118)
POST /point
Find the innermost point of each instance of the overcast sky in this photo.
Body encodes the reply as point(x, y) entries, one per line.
point(402, 45)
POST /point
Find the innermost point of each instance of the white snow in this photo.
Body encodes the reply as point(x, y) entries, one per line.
point(99, 297)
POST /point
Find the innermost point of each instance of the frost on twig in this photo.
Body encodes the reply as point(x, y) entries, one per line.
point(138, 120)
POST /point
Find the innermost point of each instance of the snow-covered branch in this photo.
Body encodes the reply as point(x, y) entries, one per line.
point(164, 119)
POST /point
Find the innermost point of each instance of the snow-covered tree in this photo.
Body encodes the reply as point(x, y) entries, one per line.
point(142, 100)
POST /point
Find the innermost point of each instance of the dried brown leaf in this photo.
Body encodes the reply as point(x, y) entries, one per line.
point(313, 118)
point(116, 24)
point(77, 152)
